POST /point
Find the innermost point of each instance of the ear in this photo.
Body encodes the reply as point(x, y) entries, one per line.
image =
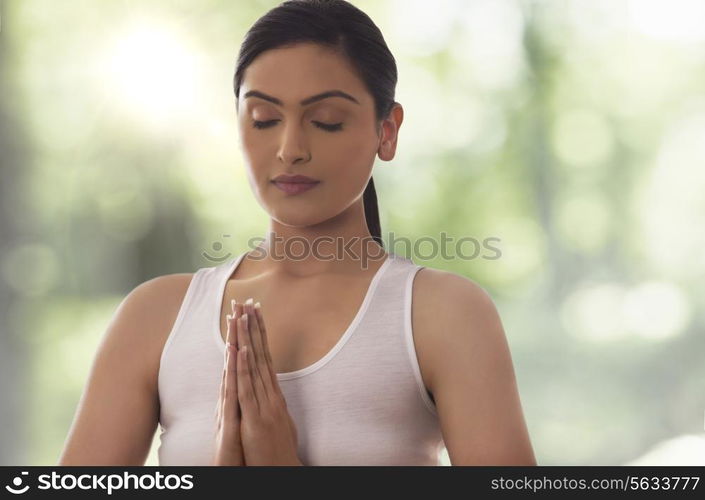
point(390, 132)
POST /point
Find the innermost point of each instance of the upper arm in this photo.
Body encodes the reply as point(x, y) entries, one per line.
point(118, 412)
point(473, 380)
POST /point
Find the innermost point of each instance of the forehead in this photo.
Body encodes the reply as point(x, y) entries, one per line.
point(294, 73)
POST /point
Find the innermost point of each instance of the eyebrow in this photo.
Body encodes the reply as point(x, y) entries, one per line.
point(303, 102)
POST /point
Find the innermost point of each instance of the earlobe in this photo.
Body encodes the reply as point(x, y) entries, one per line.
point(381, 146)
point(388, 130)
point(385, 151)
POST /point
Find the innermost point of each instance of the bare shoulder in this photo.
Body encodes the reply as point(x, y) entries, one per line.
point(161, 296)
point(142, 322)
point(447, 306)
point(148, 314)
point(464, 352)
point(439, 286)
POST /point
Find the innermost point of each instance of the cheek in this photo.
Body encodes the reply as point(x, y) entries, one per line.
point(257, 151)
point(352, 158)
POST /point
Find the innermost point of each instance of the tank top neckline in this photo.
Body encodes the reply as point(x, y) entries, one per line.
point(227, 271)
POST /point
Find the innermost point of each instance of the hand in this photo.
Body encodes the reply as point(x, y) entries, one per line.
point(267, 430)
point(228, 450)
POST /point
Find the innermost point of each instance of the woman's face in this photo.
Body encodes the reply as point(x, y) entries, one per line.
point(332, 139)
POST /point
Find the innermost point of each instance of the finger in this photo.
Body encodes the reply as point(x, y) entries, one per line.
point(226, 364)
point(248, 325)
point(264, 370)
point(254, 384)
point(229, 385)
point(259, 371)
point(257, 351)
point(246, 396)
point(233, 356)
point(274, 381)
point(230, 415)
point(228, 325)
point(235, 313)
point(262, 391)
point(238, 314)
point(242, 337)
point(228, 334)
point(265, 341)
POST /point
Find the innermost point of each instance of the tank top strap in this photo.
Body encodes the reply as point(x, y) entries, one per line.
point(395, 282)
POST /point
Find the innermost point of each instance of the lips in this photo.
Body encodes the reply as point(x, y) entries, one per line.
point(295, 179)
point(294, 184)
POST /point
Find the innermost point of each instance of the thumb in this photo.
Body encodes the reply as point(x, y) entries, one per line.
point(231, 407)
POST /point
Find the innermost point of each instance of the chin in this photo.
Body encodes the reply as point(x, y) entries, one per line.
point(298, 216)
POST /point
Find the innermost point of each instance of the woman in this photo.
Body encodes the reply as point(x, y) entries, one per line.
point(422, 361)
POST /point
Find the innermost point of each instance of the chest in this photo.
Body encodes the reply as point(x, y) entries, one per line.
point(305, 320)
point(371, 420)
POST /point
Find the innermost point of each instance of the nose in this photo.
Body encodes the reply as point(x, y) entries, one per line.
point(293, 148)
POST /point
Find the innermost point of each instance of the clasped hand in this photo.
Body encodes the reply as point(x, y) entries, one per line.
point(253, 424)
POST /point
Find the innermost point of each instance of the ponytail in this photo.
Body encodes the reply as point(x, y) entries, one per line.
point(369, 199)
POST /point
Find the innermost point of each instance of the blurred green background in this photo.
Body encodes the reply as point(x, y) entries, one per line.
point(573, 131)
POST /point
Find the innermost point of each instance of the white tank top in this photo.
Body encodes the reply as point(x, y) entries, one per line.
point(363, 403)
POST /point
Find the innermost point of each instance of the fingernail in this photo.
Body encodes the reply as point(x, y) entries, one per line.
point(249, 301)
point(232, 303)
point(228, 317)
point(257, 306)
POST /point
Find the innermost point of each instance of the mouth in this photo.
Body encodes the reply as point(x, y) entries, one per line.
point(295, 187)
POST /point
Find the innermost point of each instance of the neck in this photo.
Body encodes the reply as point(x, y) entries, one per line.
point(337, 245)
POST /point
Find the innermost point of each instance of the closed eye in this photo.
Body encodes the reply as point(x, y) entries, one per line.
point(267, 124)
point(330, 127)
